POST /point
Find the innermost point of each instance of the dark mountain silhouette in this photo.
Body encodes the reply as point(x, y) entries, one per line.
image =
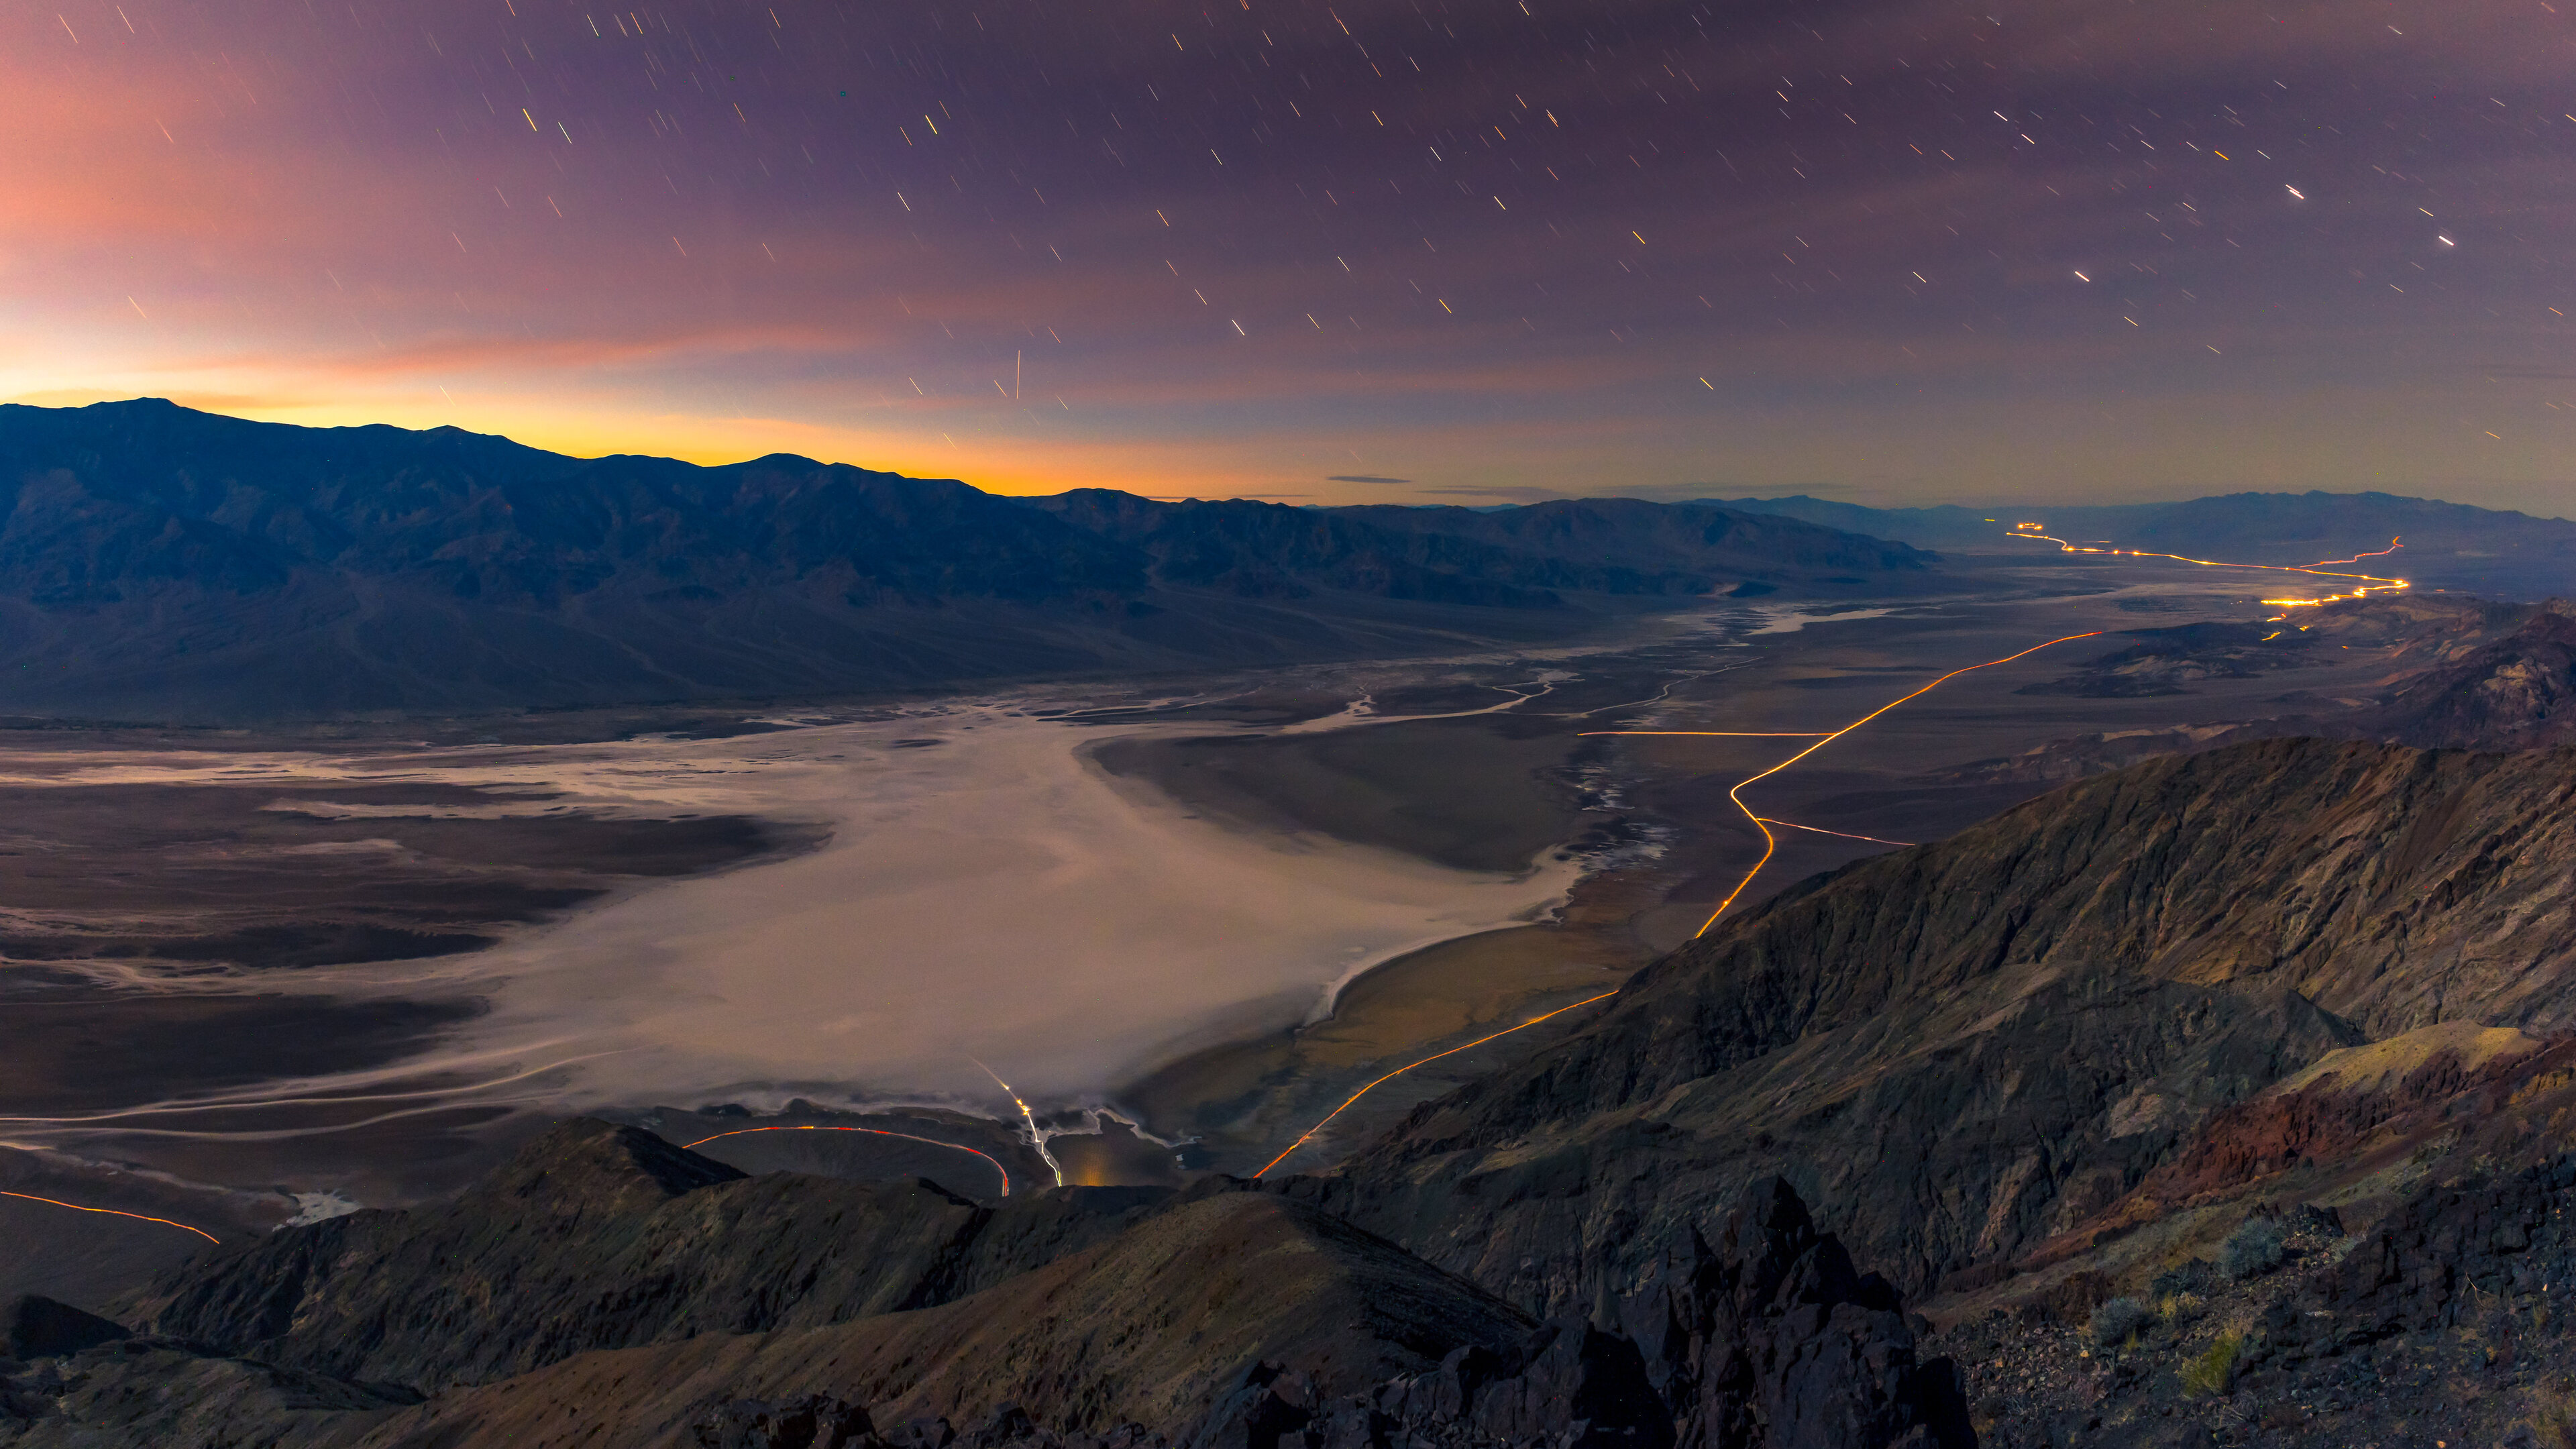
point(157, 562)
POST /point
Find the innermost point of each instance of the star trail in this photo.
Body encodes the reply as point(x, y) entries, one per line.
point(1385, 250)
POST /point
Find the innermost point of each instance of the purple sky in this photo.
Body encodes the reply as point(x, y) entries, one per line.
point(1379, 250)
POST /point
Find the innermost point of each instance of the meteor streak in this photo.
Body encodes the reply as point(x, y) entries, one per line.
point(2370, 583)
point(1309, 1133)
point(114, 1213)
point(877, 1131)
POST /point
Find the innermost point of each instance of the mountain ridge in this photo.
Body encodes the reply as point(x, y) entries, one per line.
point(1963, 1046)
point(2447, 545)
point(157, 562)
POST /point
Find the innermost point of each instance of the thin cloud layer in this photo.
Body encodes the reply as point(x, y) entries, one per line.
point(1599, 246)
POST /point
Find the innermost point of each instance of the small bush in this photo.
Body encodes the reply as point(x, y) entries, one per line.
point(2118, 1321)
point(2553, 1420)
point(2214, 1372)
point(2253, 1249)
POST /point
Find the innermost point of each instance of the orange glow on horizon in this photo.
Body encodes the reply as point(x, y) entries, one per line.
point(114, 1213)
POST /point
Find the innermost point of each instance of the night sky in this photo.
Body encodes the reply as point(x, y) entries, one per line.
point(1372, 250)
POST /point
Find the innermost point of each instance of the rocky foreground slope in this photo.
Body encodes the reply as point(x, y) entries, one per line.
point(1964, 1048)
point(608, 1288)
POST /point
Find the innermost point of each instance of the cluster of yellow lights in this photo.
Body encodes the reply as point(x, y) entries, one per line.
point(2366, 584)
point(872, 1131)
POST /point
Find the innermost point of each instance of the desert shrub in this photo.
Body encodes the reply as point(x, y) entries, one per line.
point(2117, 1321)
point(2254, 1248)
point(2553, 1420)
point(2214, 1372)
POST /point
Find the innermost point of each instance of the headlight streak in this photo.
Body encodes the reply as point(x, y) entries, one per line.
point(1820, 830)
point(1770, 842)
point(2370, 583)
point(875, 1131)
point(1306, 1136)
point(112, 1212)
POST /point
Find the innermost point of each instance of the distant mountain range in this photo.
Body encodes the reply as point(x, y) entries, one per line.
point(158, 563)
point(2448, 545)
point(162, 563)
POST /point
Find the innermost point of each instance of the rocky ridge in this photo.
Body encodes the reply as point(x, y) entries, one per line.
point(1965, 1048)
point(161, 563)
point(1215, 1316)
point(598, 1237)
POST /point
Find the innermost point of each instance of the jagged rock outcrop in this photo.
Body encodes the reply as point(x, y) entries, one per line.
point(1151, 1327)
point(1775, 1340)
point(1963, 1048)
point(2455, 1248)
point(596, 1236)
point(169, 1394)
point(805, 1421)
point(1224, 1317)
point(2442, 1321)
point(2518, 693)
point(1237, 1319)
point(34, 1326)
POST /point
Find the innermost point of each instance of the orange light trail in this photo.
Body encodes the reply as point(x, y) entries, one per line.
point(1308, 1135)
point(112, 1212)
point(1820, 830)
point(875, 1131)
point(2370, 583)
point(1770, 842)
point(2394, 545)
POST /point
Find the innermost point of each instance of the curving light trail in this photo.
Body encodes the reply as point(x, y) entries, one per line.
point(1309, 1133)
point(2369, 583)
point(874, 1131)
point(114, 1213)
point(2394, 545)
point(1770, 842)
